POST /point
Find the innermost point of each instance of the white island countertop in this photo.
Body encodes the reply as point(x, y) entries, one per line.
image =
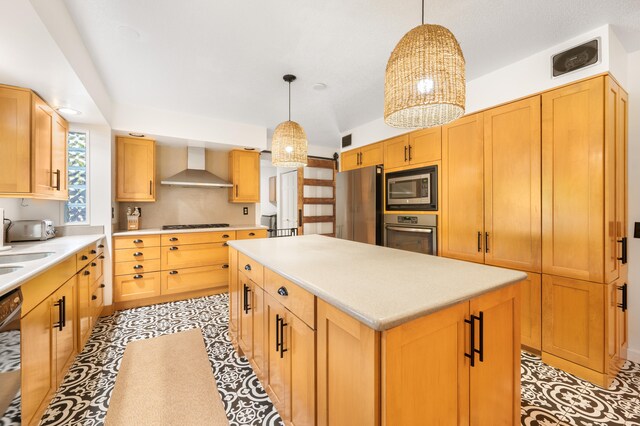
point(60, 247)
point(379, 286)
point(153, 231)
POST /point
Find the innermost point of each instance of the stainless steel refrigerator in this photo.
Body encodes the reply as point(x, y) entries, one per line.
point(359, 205)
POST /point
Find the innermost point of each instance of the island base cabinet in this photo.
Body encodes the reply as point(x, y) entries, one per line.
point(428, 368)
point(348, 366)
point(531, 312)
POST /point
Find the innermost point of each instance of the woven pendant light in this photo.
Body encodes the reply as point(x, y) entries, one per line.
point(424, 83)
point(289, 142)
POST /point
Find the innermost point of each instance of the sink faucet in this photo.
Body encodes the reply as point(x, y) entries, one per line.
point(2, 234)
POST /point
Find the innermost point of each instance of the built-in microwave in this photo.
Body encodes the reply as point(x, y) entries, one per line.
point(415, 189)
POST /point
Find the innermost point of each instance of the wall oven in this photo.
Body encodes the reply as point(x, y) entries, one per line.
point(415, 189)
point(10, 308)
point(417, 233)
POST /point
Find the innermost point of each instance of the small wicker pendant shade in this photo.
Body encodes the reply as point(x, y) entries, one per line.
point(289, 145)
point(424, 82)
point(289, 142)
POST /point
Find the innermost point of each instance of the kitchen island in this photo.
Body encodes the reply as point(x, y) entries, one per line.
point(340, 332)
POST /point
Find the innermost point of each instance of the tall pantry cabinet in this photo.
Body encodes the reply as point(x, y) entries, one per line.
point(584, 225)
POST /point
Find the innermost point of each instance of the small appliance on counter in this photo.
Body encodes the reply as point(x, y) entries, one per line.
point(31, 230)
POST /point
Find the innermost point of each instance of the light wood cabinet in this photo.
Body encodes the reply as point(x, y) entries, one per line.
point(34, 147)
point(251, 234)
point(251, 323)
point(531, 312)
point(276, 371)
point(368, 155)
point(190, 279)
point(244, 173)
point(234, 297)
point(415, 148)
point(64, 327)
point(134, 287)
point(193, 255)
point(85, 280)
point(135, 169)
point(462, 203)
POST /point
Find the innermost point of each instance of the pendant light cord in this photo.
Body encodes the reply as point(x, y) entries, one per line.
point(422, 12)
point(289, 101)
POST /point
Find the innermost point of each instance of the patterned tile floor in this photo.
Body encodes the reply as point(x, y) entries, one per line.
point(549, 396)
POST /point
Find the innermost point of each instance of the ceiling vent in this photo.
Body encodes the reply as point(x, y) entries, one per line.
point(576, 58)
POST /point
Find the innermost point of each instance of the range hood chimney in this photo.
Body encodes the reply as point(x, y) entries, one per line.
point(195, 175)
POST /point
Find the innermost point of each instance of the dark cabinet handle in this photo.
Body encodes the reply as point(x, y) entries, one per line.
point(278, 333)
point(282, 291)
point(102, 285)
point(623, 289)
point(225, 236)
point(252, 234)
point(623, 256)
point(173, 272)
point(93, 252)
point(94, 297)
point(150, 187)
point(409, 152)
point(472, 343)
point(405, 153)
point(479, 241)
point(225, 245)
point(138, 241)
point(58, 180)
point(486, 242)
point(246, 306)
point(60, 304)
point(173, 239)
point(137, 276)
point(282, 326)
point(94, 264)
point(101, 257)
point(138, 253)
point(247, 267)
point(87, 272)
point(138, 267)
point(101, 246)
point(84, 257)
point(236, 190)
point(225, 266)
point(173, 248)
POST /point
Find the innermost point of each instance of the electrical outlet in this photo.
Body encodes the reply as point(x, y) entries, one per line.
point(245, 211)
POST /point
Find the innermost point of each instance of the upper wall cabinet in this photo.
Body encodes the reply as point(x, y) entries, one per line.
point(33, 142)
point(244, 173)
point(422, 146)
point(368, 155)
point(136, 169)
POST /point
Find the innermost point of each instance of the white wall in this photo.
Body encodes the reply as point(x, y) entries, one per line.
point(633, 88)
point(267, 170)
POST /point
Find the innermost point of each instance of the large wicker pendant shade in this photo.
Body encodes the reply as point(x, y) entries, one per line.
point(289, 142)
point(424, 82)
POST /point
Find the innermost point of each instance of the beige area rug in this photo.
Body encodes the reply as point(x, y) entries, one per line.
point(166, 380)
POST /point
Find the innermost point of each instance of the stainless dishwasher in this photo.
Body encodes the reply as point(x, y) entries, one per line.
point(10, 307)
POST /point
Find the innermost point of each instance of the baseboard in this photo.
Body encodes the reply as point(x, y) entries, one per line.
point(633, 355)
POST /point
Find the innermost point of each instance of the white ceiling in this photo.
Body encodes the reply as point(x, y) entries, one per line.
point(225, 59)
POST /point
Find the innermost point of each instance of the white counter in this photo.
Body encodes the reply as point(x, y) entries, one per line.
point(152, 231)
point(379, 286)
point(61, 247)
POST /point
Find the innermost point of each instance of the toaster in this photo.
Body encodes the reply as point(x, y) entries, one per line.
point(31, 230)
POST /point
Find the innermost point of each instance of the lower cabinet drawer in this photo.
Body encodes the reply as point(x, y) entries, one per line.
point(252, 269)
point(137, 267)
point(137, 286)
point(293, 297)
point(194, 255)
point(189, 279)
point(251, 233)
point(127, 255)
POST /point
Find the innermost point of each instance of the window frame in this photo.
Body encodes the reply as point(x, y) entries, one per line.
point(88, 180)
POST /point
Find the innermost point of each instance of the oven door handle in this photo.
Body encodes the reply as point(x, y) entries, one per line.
point(407, 229)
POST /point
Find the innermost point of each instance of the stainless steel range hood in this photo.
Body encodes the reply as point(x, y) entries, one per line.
point(195, 174)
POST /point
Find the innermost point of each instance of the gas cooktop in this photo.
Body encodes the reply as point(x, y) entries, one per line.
point(199, 226)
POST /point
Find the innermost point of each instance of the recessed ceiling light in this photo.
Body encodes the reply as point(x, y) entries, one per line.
point(68, 111)
point(319, 86)
point(137, 135)
point(128, 32)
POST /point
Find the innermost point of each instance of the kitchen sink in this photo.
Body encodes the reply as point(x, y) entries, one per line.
point(8, 269)
point(23, 257)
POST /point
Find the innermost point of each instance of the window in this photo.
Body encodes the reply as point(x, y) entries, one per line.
point(76, 209)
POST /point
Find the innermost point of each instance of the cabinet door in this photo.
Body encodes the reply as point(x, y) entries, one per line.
point(495, 378)
point(531, 311)
point(348, 369)
point(65, 339)
point(244, 168)
point(191, 279)
point(138, 286)
point(15, 140)
point(84, 305)
point(350, 160)
point(136, 170)
point(462, 186)
point(425, 145)
point(302, 384)
point(512, 185)
point(426, 379)
point(38, 375)
point(572, 181)
point(193, 255)
point(258, 319)
point(59, 157)
point(43, 128)
point(612, 333)
point(573, 320)
point(245, 336)
point(396, 152)
point(276, 363)
point(370, 155)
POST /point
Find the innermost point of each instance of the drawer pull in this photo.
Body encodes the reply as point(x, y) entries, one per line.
point(225, 266)
point(93, 252)
point(247, 267)
point(101, 246)
point(173, 248)
point(138, 267)
point(173, 239)
point(137, 277)
point(102, 285)
point(173, 272)
point(137, 241)
point(225, 245)
point(94, 297)
point(94, 264)
point(101, 257)
point(138, 253)
point(282, 291)
point(87, 273)
point(252, 234)
point(84, 257)
point(225, 236)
